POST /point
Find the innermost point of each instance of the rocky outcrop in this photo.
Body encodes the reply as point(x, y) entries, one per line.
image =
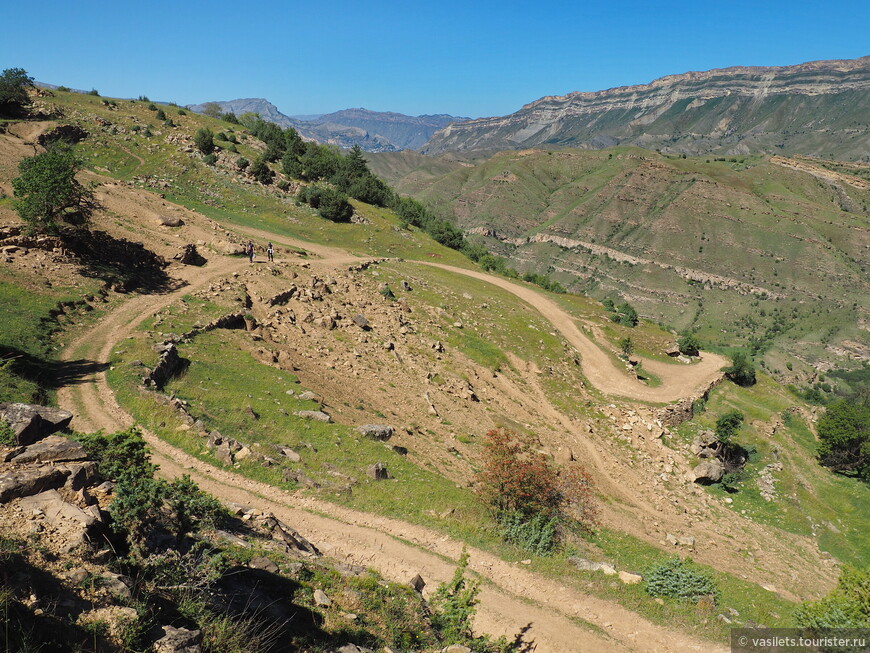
point(30, 422)
point(168, 365)
point(694, 112)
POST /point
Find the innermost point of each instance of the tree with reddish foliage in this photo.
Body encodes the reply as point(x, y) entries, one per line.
point(516, 478)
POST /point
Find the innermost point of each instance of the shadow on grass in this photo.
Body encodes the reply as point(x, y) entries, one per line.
point(47, 375)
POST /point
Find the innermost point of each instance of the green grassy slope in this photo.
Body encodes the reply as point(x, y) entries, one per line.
point(744, 250)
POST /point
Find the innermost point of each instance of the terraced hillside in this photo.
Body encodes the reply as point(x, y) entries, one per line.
point(766, 252)
point(817, 108)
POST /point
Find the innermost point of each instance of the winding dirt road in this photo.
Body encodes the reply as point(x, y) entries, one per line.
point(677, 381)
point(557, 617)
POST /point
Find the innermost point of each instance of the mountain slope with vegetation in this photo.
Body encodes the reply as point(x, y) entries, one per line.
point(818, 108)
point(383, 405)
point(767, 253)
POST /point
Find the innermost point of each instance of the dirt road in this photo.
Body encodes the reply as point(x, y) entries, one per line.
point(559, 618)
point(677, 381)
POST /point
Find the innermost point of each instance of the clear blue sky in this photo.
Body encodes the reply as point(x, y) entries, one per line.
point(468, 58)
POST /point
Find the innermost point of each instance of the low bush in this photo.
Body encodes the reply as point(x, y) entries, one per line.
point(676, 579)
point(536, 535)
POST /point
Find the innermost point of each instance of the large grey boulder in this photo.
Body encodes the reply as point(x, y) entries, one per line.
point(53, 448)
point(31, 423)
point(29, 481)
point(317, 415)
point(710, 471)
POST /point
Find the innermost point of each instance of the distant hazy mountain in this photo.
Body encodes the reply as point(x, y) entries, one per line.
point(373, 131)
point(817, 108)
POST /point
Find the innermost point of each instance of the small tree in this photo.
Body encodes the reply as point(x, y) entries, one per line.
point(727, 425)
point(689, 345)
point(741, 371)
point(515, 477)
point(262, 172)
point(211, 109)
point(204, 140)
point(14, 83)
point(48, 190)
point(626, 346)
point(844, 438)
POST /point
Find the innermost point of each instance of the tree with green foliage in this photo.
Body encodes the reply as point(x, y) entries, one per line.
point(48, 192)
point(330, 203)
point(262, 172)
point(741, 371)
point(14, 99)
point(844, 438)
point(688, 344)
point(728, 424)
point(204, 140)
point(211, 109)
point(846, 606)
point(626, 346)
point(230, 117)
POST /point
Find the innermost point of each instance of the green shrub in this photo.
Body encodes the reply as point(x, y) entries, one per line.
point(847, 606)
point(7, 435)
point(536, 535)
point(844, 438)
point(204, 140)
point(676, 579)
point(242, 163)
point(689, 345)
point(728, 424)
point(160, 115)
point(210, 159)
point(741, 371)
point(152, 107)
point(330, 203)
point(262, 172)
point(94, 91)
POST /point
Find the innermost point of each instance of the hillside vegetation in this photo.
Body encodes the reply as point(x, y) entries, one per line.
point(369, 398)
point(770, 254)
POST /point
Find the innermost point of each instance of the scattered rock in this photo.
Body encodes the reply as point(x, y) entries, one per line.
point(317, 415)
point(261, 562)
point(376, 431)
point(178, 640)
point(321, 599)
point(31, 422)
point(190, 256)
point(290, 455)
point(418, 583)
point(53, 448)
point(588, 565)
point(378, 472)
point(361, 322)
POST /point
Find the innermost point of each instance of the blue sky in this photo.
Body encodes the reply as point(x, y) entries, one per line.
point(462, 58)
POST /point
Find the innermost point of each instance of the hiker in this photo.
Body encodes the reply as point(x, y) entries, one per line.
point(251, 251)
point(270, 253)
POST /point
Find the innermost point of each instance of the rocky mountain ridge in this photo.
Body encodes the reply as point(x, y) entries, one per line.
point(373, 131)
point(811, 108)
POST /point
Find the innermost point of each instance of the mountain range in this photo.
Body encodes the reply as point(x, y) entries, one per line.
point(819, 108)
point(373, 131)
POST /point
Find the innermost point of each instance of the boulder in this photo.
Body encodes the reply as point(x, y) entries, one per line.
point(710, 471)
point(378, 472)
point(31, 422)
point(57, 512)
point(290, 455)
point(376, 431)
point(29, 481)
point(704, 440)
point(629, 578)
point(170, 221)
point(190, 256)
point(321, 599)
point(264, 563)
point(53, 448)
point(178, 640)
point(361, 322)
point(317, 415)
point(418, 583)
point(588, 565)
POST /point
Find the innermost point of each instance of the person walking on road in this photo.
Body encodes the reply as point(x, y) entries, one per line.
point(270, 254)
point(250, 251)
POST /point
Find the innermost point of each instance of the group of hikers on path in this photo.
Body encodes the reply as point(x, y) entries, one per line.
point(249, 251)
